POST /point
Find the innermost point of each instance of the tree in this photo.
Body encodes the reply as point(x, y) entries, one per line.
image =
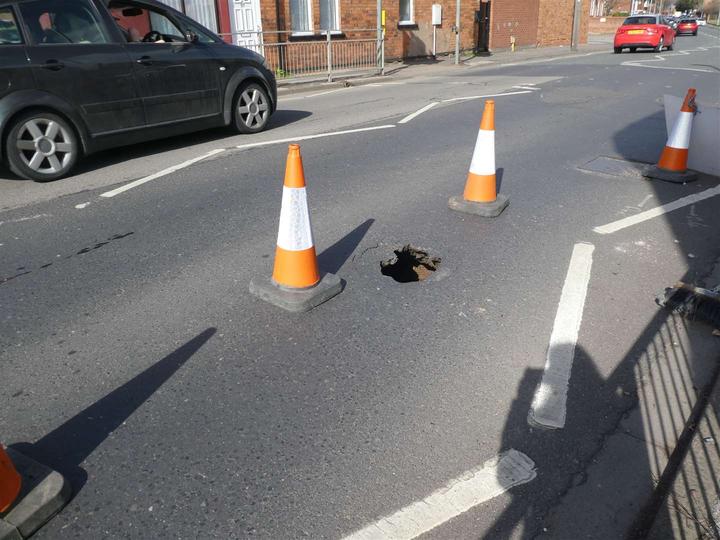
point(686, 5)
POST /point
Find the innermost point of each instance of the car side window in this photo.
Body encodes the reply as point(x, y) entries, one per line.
point(9, 31)
point(140, 24)
point(60, 21)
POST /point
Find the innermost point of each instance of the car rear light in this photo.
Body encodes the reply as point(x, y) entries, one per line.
point(651, 30)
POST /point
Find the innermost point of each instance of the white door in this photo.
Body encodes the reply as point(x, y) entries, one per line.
point(246, 24)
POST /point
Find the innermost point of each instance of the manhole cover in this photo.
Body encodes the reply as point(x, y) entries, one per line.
point(410, 264)
point(615, 167)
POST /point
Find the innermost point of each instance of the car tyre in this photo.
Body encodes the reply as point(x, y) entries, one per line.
point(670, 47)
point(251, 108)
point(695, 33)
point(617, 50)
point(633, 49)
point(660, 45)
point(41, 146)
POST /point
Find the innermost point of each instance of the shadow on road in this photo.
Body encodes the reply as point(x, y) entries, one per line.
point(332, 259)
point(645, 406)
point(68, 446)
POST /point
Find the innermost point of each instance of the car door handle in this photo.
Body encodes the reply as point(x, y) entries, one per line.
point(144, 60)
point(53, 65)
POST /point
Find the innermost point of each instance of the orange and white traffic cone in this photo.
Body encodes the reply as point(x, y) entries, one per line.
point(480, 196)
point(10, 481)
point(296, 283)
point(672, 165)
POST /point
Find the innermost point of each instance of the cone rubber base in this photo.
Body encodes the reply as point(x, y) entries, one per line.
point(484, 209)
point(653, 171)
point(44, 493)
point(296, 300)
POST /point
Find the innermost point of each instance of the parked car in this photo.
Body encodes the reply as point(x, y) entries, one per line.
point(644, 31)
point(80, 76)
point(672, 21)
point(687, 26)
point(701, 22)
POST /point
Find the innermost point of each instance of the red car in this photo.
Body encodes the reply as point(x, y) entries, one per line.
point(644, 31)
point(687, 26)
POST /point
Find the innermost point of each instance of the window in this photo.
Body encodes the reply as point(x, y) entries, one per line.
point(406, 12)
point(301, 16)
point(329, 15)
point(9, 33)
point(202, 11)
point(58, 21)
point(139, 23)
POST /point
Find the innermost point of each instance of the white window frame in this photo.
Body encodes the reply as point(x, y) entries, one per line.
point(338, 28)
point(309, 20)
point(411, 22)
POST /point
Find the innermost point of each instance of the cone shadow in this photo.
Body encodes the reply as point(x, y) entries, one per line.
point(334, 257)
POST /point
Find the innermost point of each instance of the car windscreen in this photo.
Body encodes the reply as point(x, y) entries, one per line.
point(687, 21)
point(640, 20)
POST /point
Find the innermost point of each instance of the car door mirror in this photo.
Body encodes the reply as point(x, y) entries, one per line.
point(190, 36)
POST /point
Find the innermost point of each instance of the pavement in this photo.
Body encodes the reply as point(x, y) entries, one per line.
point(136, 362)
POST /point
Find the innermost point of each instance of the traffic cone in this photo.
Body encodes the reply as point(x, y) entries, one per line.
point(480, 196)
point(10, 481)
point(672, 165)
point(296, 283)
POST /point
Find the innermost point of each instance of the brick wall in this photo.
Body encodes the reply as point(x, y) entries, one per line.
point(518, 18)
point(555, 22)
point(606, 26)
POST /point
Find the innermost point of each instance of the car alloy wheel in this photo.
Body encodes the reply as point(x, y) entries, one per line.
point(253, 109)
point(41, 146)
point(661, 44)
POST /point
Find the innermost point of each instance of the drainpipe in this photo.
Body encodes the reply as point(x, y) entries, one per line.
point(577, 15)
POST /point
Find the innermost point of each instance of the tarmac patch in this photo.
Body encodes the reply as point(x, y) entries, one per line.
point(615, 167)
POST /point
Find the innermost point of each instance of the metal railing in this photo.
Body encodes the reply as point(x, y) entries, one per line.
point(330, 54)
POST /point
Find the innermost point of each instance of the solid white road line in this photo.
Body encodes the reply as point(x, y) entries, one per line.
point(550, 400)
point(160, 174)
point(526, 88)
point(487, 96)
point(476, 486)
point(418, 112)
point(308, 137)
point(616, 226)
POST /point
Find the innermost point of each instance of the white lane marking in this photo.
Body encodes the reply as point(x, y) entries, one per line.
point(552, 59)
point(27, 218)
point(326, 92)
point(663, 58)
point(476, 486)
point(308, 137)
point(645, 200)
point(82, 205)
point(382, 84)
point(487, 96)
point(522, 87)
point(160, 174)
point(418, 112)
point(548, 408)
point(620, 224)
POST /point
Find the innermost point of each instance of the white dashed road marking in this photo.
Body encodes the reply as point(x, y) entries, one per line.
point(418, 112)
point(487, 96)
point(624, 223)
point(549, 403)
point(476, 486)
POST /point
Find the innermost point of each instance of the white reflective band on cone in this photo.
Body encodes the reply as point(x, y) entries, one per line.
point(294, 233)
point(680, 134)
point(483, 161)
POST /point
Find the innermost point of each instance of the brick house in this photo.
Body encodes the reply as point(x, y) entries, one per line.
point(409, 29)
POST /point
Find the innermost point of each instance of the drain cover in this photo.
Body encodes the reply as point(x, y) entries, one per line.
point(615, 167)
point(410, 264)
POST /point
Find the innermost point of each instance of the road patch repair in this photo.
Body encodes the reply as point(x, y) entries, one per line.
point(30, 494)
point(496, 476)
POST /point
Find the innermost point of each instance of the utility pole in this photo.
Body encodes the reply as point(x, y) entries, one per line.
point(379, 58)
point(457, 33)
point(577, 16)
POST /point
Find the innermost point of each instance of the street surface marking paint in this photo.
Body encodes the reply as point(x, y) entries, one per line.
point(326, 92)
point(28, 218)
point(549, 404)
point(476, 486)
point(82, 205)
point(663, 58)
point(616, 226)
point(160, 174)
point(382, 84)
point(308, 137)
point(487, 96)
point(418, 112)
point(526, 88)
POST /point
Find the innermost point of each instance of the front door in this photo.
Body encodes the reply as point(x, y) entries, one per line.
point(73, 57)
point(483, 37)
point(246, 24)
point(178, 80)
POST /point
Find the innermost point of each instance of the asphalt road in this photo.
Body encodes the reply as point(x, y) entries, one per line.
point(135, 361)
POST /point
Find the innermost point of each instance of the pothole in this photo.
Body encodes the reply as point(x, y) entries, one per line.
point(410, 264)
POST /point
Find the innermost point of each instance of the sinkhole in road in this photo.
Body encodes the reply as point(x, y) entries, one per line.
point(410, 264)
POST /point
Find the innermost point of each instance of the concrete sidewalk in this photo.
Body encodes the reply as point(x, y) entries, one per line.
point(443, 65)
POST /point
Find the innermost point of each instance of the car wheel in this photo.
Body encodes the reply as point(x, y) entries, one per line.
point(41, 146)
point(617, 50)
point(633, 49)
point(660, 45)
point(695, 33)
point(252, 108)
point(670, 47)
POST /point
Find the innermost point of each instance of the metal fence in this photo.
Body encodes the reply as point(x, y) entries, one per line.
point(351, 51)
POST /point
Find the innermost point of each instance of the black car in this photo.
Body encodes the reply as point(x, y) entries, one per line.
point(78, 76)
